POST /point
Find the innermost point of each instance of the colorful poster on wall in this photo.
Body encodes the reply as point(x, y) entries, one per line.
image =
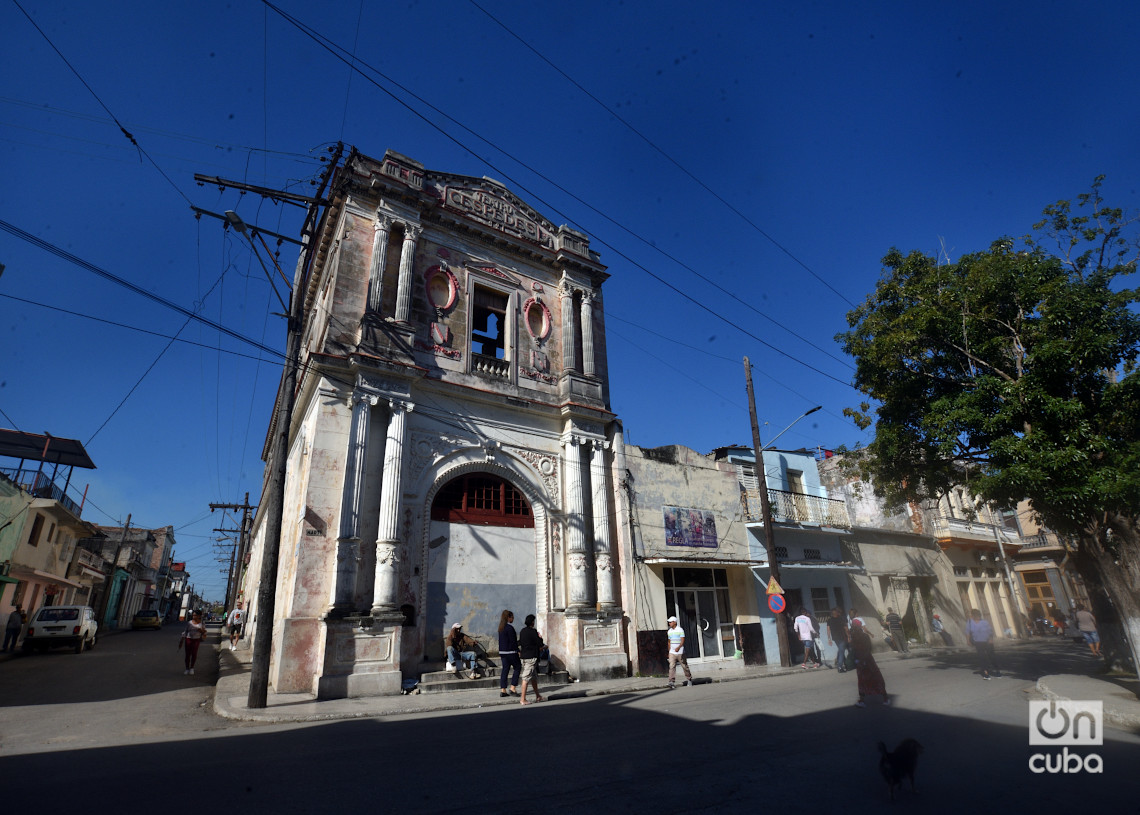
point(689, 527)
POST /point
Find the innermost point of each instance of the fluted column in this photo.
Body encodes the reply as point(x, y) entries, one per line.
point(348, 539)
point(381, 228)
point(568, 328)
point(588, 333)
point(581, 578)
point(387, 542)
point(407, 263)
point(603, 559)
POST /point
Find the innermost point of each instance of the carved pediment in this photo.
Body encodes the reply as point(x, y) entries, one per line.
point(494, 206)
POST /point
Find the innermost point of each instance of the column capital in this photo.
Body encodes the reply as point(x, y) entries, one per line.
point(359, 396)
point(412, 232)
point(383, 221)
point(401, 406)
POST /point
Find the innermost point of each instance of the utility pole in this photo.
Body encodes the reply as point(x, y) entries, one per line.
point(233, 582)
point(766, 517)
point(283, 419)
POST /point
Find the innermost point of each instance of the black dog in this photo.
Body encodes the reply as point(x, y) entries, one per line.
point(900, 764)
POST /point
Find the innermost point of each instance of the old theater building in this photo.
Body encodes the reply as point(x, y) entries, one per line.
point(451, 450)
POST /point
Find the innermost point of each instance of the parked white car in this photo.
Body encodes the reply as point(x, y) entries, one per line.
point(73, 626)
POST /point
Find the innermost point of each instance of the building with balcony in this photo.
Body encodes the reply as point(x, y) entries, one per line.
point(810, 529)
point(42, 520)
point(451, 447)
point(130, 586)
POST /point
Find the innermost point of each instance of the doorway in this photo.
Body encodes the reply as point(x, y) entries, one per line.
point(699, 599)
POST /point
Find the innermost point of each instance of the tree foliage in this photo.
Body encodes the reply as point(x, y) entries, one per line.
point(1012, 369)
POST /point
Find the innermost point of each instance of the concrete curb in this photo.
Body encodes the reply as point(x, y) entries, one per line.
point(1121, 707)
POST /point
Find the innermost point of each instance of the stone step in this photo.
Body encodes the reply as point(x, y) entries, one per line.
point(443, 682)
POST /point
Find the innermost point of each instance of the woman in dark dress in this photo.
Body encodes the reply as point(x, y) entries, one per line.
point(871, 682)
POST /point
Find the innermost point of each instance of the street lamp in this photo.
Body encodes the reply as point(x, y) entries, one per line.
point(766, 507)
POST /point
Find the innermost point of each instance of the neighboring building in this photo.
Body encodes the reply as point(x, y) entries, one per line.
point(903, 567)
point(451, 446)
point(41, 520)
point(1044, 565)
point(978, 547)
point(132, 580)
point(809, 529)
point(980, 544)
point(180, 602)
point(685, 548)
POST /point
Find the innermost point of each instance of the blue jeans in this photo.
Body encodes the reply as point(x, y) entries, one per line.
point(840, 655)
point(10, 637)
point(453, 657)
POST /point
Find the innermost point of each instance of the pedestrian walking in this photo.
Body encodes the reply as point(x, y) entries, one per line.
point(676, 636)
point(941, 631)
point(869, 677)
point(837, 634)
point(530, 647)
point(806, 630)
point(236, 621)
point(1086, 624)
point(981, 634)
point(191, 639)
point(508, 654)
point(12, 629)
point(893, 623)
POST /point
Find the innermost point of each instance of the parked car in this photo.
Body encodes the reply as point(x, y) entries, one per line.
point(73, 626)
point(146, 618)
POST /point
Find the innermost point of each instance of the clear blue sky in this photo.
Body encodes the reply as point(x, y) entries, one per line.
point(775, 150)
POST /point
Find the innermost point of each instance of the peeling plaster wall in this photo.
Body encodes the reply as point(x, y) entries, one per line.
point(678, 476)
point(474, 572)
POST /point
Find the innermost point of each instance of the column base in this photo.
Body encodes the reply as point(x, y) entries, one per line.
point(362, 658)
point(594, 644)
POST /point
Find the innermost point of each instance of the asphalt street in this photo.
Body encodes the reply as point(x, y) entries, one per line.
point(789, 741)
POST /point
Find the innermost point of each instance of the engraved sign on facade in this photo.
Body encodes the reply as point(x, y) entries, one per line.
point(499, 213)
point(689, 527)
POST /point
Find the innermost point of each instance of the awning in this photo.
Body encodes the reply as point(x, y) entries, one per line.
point(36, 447)
point(93, 573)
point(48, 577)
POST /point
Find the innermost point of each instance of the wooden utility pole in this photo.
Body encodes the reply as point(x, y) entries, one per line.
point(766, 517)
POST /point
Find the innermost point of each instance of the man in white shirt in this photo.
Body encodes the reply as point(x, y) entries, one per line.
point(806, 631)
point(235, 620)
point(676, 636)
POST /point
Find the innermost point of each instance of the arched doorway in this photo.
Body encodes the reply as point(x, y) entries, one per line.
point(480, 558)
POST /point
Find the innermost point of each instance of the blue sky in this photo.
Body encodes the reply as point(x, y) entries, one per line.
point(740, 167)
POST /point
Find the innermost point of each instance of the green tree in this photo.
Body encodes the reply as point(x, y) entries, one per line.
point(1015, 370)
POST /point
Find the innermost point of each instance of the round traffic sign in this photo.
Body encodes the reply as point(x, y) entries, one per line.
point(776, 603)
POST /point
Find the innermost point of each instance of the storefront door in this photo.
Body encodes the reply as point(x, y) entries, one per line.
point(703, 612)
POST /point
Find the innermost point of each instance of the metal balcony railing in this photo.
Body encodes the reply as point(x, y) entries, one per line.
point(39, 485)
point(1042, 540)
point(797, 507)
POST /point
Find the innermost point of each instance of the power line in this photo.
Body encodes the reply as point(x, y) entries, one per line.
point(91, 267)
point(130, 137)
point(336, 50)
point(665, 155)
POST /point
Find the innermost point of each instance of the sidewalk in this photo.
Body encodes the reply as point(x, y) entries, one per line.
point(232, 693)
point(1121, 706)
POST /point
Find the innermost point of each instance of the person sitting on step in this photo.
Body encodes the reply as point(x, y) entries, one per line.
point(461, 647)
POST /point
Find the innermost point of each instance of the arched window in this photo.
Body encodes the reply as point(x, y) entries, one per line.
point(484, 499)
